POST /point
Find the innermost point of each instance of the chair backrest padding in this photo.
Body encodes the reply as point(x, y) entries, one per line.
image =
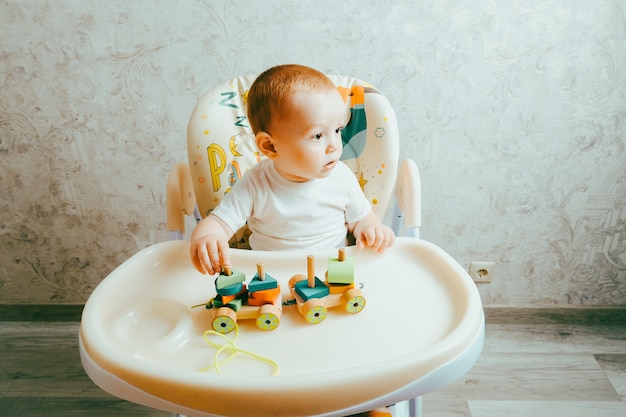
point(221, 146)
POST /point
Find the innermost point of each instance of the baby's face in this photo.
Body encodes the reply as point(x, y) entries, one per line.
point(308, 139)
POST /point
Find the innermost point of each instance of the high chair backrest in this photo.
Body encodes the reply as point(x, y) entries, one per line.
point(222, 147)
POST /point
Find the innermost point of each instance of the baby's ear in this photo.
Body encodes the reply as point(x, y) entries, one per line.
point(265, 143)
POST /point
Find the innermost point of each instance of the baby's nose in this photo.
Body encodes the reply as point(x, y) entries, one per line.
point(334, 143)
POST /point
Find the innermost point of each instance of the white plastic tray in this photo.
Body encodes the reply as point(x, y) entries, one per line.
point(422, 312)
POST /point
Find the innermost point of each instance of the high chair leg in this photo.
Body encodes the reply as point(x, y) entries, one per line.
point(415, 407)
point(408, 408)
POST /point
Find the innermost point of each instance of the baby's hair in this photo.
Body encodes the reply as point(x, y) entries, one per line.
point(271, 92)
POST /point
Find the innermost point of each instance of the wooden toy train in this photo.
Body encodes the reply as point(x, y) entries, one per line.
point(261, 299)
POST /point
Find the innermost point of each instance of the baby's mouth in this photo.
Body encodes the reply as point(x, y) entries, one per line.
point(330, 165)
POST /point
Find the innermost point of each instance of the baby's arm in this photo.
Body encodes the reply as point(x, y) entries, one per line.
point(209, 245)
point(371, 232)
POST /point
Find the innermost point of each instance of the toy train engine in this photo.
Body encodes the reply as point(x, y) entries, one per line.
point(260, 299)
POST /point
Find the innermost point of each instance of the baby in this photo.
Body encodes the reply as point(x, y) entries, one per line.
point(301, 196)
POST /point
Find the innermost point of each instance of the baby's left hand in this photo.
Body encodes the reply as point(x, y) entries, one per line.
point(370, 232)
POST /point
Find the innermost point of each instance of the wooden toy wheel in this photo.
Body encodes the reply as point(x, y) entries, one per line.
point(269, 317)
point(314, 311)
point(225, 320)
point(354, 301)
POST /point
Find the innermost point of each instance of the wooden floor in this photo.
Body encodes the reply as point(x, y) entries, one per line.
point(528, 368)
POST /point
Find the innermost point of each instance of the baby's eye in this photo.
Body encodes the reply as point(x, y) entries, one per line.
point(318, 136)
point(339, 129)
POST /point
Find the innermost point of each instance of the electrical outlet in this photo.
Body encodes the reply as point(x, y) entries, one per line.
point(481, 272)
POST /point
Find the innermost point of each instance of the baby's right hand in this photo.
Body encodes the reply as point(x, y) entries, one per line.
point(209, 253)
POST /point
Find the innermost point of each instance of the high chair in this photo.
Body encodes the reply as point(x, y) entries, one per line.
point(422, 327)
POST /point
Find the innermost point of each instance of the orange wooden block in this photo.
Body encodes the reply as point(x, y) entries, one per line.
point(258, 298)
point(228, 298)
point(380, 412)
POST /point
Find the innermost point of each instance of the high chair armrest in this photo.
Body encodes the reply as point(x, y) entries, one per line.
point(180, 197)
point(409, 194)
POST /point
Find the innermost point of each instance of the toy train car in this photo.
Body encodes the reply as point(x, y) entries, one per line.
point(314, 297)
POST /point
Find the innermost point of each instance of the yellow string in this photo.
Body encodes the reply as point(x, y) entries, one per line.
point(230, 345)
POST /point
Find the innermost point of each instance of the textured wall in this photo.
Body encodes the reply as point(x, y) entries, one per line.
point(515, 112)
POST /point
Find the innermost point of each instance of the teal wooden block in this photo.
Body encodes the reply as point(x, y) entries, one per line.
point(243, 296)
point(319, 291)
point(267, 284)
point(341, 272)
point(224, 280)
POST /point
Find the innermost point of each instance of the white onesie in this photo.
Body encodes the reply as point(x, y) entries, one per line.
point(285, 215)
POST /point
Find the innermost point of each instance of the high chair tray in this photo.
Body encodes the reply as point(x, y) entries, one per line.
point(422, 328)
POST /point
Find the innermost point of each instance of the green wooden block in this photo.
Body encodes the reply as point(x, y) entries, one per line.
point(230, 290)
point(224, 280)
point(234, 304)
point(319, 291)
point(267, 284)
point(341, 272)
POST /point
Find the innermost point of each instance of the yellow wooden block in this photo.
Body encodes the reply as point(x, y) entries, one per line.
point(339, 288)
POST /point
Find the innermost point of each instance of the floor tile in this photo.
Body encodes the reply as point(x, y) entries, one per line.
point(546, 409)
point(615, 368)
point(533, 377)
